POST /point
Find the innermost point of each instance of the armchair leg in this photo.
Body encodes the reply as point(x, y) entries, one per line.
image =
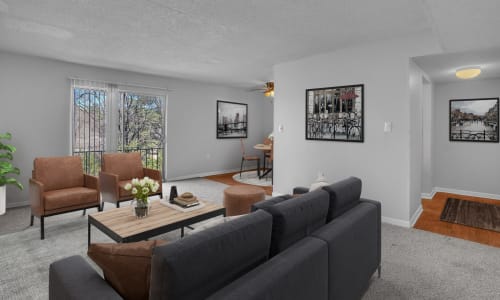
point(117, 204)
point(84, 211)
point(42, 228)
point(101, 207)
point(32, 220)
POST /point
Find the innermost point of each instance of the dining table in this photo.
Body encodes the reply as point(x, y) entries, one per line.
point(264, 148)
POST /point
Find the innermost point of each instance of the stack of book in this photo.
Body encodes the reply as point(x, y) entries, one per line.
point(186, 200)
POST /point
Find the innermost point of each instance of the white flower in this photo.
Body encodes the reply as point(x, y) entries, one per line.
point(134, 191)
point(135, 181)
point(128, 187)
point(155, 187)
point(145, 190)
point(142, 182)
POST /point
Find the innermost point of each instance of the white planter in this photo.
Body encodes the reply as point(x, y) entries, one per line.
point(3, 199)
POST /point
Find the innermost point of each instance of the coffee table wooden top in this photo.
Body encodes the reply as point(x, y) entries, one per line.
point(122, 226)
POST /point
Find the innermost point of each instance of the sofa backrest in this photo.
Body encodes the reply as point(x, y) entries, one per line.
point(200, 264)
point(344, 195)
point(126, 165)
point(58, 172)
point(296, 218)
point(269, 202)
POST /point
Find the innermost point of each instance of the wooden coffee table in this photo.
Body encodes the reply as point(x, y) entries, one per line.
point(123, 227)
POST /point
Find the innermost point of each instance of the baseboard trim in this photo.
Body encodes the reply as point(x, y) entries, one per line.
point(397, 222)
point(416, 215)
point(463, 192)
point(276, 194)
point(204, 174)
point(428, 195)
point(18, 204)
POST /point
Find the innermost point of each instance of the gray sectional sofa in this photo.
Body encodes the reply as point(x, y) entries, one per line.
point(324, 244)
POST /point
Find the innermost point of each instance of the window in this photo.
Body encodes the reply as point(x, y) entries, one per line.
point(112, 118)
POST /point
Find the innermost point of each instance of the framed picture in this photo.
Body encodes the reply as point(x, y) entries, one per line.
point(232, 120)
point(474, 120)
point(335, 113)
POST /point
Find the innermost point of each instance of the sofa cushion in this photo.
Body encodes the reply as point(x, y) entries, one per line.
point(202, 263)
point(354, 250)
point(299, 272)
point(70, 197)
point(297, 218)
point(58, 172)
point(269, 202)
point(126, 267)
point(126, 165)
point(343, 196)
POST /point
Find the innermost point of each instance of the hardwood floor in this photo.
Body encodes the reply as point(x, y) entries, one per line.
point(228, 179)
point(429, 221)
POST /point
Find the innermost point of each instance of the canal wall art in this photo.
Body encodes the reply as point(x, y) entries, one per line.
point(474, 120)
point(335, 113)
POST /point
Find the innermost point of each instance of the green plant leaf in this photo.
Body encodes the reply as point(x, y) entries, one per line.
point(6, 168)
point(6, 136)
point(6, 155)
point(8, 148)
point(4, 181)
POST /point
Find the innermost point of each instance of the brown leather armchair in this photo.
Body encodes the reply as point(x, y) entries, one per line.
point(58, 185)
point(118, 169)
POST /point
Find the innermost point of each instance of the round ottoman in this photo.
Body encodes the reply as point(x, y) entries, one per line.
point(239, 198)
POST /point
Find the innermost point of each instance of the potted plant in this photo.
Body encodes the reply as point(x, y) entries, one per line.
point(7, 168)
point(141, 189)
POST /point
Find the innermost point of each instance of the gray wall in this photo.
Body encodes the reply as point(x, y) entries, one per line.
point(35, 105)
point(383, 160)
point(473, 167)
point(420, 137)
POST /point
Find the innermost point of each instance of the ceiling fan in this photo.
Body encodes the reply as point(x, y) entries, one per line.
point(267, 89)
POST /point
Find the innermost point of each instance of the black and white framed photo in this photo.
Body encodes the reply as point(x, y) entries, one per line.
point(335, 113)
point(232, 120)
point(474, 120)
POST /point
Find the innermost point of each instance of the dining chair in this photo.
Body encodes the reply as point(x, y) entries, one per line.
point(270, 160)
point(267, 153)
point(245, 157)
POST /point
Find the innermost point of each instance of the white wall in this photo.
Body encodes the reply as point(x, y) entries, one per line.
point(382, 161)
point(420, 137)
point(35, 101)
point(466, 166)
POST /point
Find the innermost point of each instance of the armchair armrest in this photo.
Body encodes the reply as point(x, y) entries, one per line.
point(92, 182)
point(74, 278)
point(108, 184)
point(36, 197)
point(153, 174)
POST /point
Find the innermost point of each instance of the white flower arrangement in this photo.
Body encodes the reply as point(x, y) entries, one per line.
point(142, 188)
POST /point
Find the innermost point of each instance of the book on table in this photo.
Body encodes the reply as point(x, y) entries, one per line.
point(184, 203)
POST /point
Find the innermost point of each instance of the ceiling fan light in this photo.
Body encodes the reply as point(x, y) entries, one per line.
point(468, 73)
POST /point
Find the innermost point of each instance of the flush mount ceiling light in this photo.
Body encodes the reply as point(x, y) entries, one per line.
point(468, 72)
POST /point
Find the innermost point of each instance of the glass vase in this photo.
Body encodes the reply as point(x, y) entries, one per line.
point(140, 209)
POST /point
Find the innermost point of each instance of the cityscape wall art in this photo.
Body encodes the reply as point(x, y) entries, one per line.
point(474, 120)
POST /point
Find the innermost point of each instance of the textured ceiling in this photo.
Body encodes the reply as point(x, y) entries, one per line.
point(233, 42)
point(441, 67)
